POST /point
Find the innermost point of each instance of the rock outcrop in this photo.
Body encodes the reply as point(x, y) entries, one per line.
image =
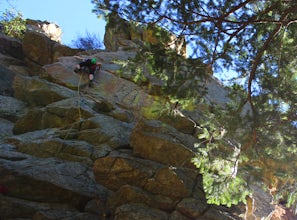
point(11, 47)
point(51, 30)
point(122, 35)
point(39, 50)
point(72, 152)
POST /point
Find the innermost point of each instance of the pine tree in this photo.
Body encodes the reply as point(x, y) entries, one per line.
point(255, 40)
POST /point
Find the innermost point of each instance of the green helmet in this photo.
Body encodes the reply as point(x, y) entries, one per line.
point(93, 60)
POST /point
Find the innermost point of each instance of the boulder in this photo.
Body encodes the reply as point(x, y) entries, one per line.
point(48, 179)
point(39, 92)
point(38, 48)
point(180, 123)
point(11, 46)
point(193, 208)
point(53, 143)
point(115, 171)
point(56, 115)
point(6, 81)
point(132, 194)
point(70, 110)
point(5, 129)
point(50, 143)
point(105, 129)
point(175, 215)
point(222, 213)
point(172, 182)
point(60, 50)
point(116, 30)
point(137, 211)
point(120, 114)
point(31, 121)
point(36, 210)
point(13, 64)
point(11, 108)
point(128, 95)
point(51, 30)
point(122, 35)
point(98, 207)
point(59, 74)
point(159, 142)
point(55, 147)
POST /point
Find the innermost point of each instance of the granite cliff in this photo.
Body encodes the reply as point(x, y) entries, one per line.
point(72, 152)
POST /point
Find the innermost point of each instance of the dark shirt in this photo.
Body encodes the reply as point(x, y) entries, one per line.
point(87, 63)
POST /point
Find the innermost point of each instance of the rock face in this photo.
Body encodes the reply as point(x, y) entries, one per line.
point(72, 152)
point(122, 35)
point(51, 30)
point(40, 50)
point(41, 45)
point(10, 46)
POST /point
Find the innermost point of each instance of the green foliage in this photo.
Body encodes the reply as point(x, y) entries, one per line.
point(255, 39)
point(218, 159)
point(221, 189)
point(13, 24)
point(178, 77)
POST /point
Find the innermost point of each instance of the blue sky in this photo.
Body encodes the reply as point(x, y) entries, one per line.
point(73, 16)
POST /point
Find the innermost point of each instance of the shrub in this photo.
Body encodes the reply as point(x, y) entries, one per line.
point(88, 42)
point(12, 24)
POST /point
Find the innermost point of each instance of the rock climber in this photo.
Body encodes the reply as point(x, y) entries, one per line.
point(88, 65)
